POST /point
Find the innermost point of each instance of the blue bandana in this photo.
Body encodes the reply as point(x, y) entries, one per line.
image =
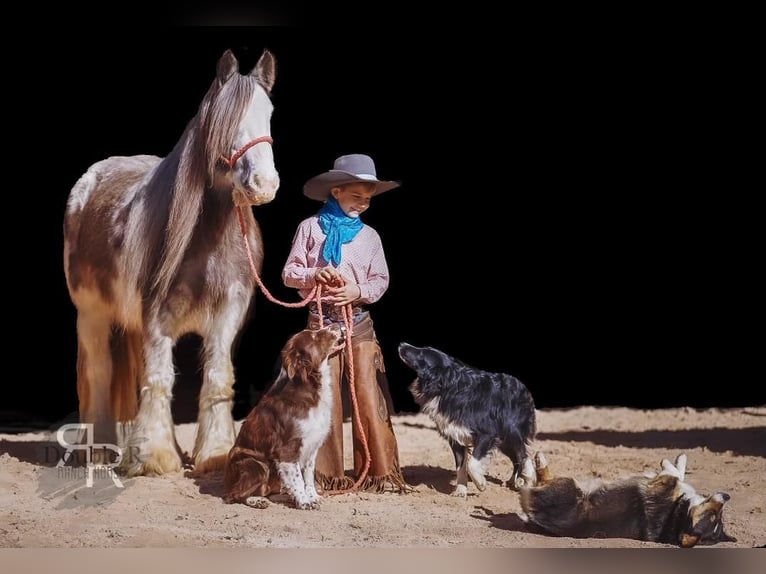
point(339, 229)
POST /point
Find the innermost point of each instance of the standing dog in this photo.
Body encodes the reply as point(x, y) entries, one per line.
point(277, 445)
point(476, 411)
point(651, 507)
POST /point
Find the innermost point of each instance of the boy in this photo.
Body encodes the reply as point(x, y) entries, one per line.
point(335, 250)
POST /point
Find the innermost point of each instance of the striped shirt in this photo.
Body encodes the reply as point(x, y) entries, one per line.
point(362, 261)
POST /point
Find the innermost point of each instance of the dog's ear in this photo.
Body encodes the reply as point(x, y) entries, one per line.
point(301, 364)
point(288, 354)
point(298, 364)
point(289, 369)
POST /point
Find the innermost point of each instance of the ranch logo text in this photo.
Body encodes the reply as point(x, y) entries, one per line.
point(77, 471)
point(85, 455)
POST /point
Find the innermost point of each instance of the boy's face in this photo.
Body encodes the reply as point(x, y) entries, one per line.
point(353, 198)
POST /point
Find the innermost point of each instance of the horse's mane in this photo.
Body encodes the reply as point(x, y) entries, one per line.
point(175, 193)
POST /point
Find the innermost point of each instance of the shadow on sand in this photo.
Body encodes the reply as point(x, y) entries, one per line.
point(745, 441)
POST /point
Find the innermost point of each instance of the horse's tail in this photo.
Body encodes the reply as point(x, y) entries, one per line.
point(127, 371)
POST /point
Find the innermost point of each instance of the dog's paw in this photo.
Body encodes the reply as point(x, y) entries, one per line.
point(681, 465)
point(461, 491)
point(528, 475)
point(480, 482)
point(520, 482)
point(476, 472)
point(542, 472)
point(257, 502)
point(677, 470)
point(307, 505)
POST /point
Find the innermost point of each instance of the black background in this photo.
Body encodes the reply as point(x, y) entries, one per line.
point(570, 214)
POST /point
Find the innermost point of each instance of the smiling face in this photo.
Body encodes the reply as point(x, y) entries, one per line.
point(354, 198)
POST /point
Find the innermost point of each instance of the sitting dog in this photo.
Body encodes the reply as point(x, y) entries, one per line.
point(476, 411)
point(654, 507)
point(277, 445)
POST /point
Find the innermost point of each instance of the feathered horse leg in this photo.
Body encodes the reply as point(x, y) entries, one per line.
point(152, 448)
point(215, 430)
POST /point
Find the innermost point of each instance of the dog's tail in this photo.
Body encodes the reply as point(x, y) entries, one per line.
point(247, 474)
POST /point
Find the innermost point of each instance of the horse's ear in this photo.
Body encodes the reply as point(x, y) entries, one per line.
point(227, 65)
point(265, 71)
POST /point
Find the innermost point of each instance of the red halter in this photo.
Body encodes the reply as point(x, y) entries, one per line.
point(241, 151)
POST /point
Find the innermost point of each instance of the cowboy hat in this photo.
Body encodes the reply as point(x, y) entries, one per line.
point(352, 168)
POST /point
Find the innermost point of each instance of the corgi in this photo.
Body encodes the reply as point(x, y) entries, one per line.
point(654, 507)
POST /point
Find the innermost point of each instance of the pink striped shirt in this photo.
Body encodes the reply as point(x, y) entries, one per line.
point(362, 261)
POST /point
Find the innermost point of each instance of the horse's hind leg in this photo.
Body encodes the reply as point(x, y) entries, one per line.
point(152, 447)
point(94, 377)
point(215, 429)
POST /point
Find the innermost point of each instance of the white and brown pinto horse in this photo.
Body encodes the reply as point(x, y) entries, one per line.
point(153, 250)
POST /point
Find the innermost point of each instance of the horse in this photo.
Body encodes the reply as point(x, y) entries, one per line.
point(154, 250)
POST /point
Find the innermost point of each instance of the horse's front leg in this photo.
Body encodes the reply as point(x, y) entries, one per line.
point(151, 447)
point(215, 429)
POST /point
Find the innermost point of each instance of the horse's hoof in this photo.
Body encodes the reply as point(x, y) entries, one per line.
point(209, 464)
point(155, 463)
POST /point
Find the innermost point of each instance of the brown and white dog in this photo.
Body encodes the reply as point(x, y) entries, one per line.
point(654, 507)
point(277, 445)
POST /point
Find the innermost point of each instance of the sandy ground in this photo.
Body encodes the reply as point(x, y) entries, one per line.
point(42, 506)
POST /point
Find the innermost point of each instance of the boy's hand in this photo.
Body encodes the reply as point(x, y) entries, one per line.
point(343, 294)
point(328, 276)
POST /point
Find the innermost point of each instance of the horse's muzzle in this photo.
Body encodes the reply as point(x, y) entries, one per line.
point(257, 195)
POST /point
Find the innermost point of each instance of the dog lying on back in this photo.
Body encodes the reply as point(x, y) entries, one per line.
point(277, 445)
point(655, 507)
point(476, 411)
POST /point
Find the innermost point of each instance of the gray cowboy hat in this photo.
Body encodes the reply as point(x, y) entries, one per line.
point(352, 168)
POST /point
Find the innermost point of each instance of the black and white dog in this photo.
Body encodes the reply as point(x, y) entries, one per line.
point(477, 412)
